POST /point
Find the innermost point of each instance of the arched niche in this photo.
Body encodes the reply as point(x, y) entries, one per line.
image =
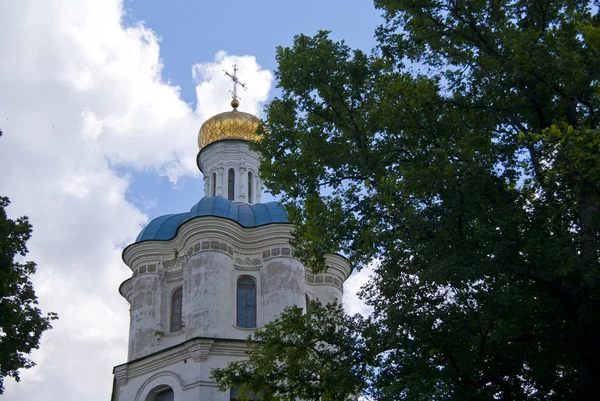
point(159, 384)
point(161, 392)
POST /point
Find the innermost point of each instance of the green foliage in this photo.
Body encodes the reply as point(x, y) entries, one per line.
point(318, 356)
point(21, 321)
point(473, 177)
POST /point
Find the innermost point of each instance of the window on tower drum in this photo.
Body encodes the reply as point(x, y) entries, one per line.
point(176, 309)
point(214, 184)
point(250, 186)
point(246, 302)
point(231, 183)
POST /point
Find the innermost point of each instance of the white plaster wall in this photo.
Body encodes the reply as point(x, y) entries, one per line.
point(282, 286)
point(145, 314)
point(206, 295)
point(168, 338)
point(209, 281)
point(189, 379)
point(206, 258)
point(324, 293)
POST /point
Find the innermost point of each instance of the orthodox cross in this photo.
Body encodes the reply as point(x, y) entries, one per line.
point(236, 82)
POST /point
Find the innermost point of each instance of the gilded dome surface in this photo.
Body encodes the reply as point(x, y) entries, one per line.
point(229, 125)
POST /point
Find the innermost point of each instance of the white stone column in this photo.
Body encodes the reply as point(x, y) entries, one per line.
point(242, 181)
point(259, 188)
point(206, 185)
point(220, 183)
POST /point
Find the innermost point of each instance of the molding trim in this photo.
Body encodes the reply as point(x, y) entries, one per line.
point(247, 263)
point(121, 375)
point(199, 349)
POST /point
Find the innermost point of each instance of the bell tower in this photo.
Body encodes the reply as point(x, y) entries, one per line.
point(204, 279)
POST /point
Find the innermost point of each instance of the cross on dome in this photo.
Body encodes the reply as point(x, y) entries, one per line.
point(235, 101)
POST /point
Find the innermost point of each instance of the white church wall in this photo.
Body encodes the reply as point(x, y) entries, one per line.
point(145, 313)
point(324, 293)
point(186, 369)
point(206, 258)
point(207, 302)
point(282, 286)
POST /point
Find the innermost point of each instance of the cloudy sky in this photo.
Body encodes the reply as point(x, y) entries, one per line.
point(100, 105)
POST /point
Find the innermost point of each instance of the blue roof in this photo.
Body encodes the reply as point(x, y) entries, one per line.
point(165, 227)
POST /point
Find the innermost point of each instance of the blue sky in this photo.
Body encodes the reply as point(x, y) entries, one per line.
point(193, 31)
point(100, 106)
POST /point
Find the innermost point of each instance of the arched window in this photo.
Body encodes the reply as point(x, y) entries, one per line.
point(214, 184)
point(246, 302)
point(231, 183)
point(250, 186)
point(161, 393)
point(176, 309)
point(166, 395)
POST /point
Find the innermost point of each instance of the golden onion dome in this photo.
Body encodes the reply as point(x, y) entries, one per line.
point(229, 125)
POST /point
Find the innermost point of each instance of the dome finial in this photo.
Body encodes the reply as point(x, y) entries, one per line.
point(235, 102)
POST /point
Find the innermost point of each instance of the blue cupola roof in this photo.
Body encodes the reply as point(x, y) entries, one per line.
point(165, 227)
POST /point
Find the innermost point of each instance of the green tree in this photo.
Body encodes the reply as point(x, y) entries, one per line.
point(316, 356)
point(464, 153)
point(21, 321)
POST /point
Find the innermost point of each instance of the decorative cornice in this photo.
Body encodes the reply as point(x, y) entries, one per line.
point(121, 374)
point(243, 240)
point(126, 289)
point(199, 349)
point(323, 279)
point(210, 244)
point(247, 263)
point(278, 251)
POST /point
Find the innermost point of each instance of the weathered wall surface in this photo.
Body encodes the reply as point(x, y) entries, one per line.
point(182, 369)
point(282, 282)
point(325, 293)
point(145, 313)
point(206, 259)
point(206, 295)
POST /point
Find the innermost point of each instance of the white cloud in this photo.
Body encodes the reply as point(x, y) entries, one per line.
point(213, 90)
point(80, 93)
point(352, 303)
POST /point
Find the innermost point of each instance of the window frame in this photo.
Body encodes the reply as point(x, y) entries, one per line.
point(214, 184)
point(246, 323)
point(231, 184)
point(250, 186)
point(176, 294)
